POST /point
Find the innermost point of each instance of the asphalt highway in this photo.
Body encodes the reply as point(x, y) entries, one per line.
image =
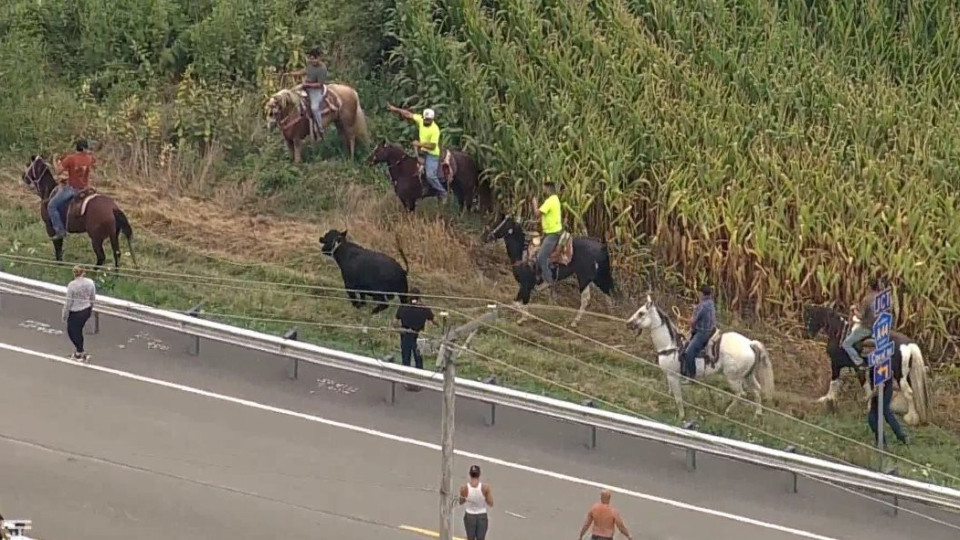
point(152, 443)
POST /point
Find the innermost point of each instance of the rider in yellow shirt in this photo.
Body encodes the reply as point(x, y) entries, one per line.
point(551, 221)
point(427, 144)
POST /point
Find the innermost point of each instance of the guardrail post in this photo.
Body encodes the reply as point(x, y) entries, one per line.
point(691, 453)
point(893, 471)
point(593, 429)
point(292, 335)
point(393, 384)
point(792, 450)
point(493, 406)
point(96, 324)
point(194, 349)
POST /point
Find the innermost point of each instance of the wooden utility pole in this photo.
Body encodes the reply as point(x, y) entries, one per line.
point(446, 360)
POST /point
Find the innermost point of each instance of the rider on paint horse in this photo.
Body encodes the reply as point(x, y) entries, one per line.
point(76, 168)
point(427, 145)
point(551, 223)
point(867, 317)
point(703, 323)
point(315, 83)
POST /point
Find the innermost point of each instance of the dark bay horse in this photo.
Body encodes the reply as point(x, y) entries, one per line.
point(98, 216)
point(909, 369)
point(462, 174)
point(590, 263)
point(409, 182)
point(290, 110)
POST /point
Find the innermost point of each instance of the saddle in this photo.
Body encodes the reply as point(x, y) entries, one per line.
point(561, 255)
point(711, 352)
point(78, 205)
point(331, 104)
point(445, 159)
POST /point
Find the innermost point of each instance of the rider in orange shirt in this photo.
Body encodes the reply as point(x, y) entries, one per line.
point(76, 167)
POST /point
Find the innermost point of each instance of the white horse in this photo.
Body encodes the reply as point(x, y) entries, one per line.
point(740, 359)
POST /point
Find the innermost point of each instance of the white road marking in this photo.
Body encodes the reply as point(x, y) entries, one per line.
point(423, 444)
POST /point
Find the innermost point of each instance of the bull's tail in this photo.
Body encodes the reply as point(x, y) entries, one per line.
point(604, 279)
point(404, 298)
point(123, 227)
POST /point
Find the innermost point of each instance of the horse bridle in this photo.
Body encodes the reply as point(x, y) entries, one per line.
point(33, 176)
point(667, 351)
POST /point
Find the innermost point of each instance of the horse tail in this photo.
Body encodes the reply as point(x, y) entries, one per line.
point(763, 368)
point(123, 226)
point(916, 371)
point(604, 279)
point(360, 123)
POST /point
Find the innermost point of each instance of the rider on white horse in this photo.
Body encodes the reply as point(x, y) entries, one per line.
point(702, 325)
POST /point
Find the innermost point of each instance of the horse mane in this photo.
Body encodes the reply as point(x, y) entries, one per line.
point(286, 98)
point(671, 328)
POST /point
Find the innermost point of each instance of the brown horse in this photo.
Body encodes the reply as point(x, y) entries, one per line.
point(462, 174)
point(89, 212)
point(290, 110)
point(457, 171)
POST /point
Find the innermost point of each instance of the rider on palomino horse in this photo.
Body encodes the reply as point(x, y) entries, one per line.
point(427, 145)
point(315, 83)
point(76, 168)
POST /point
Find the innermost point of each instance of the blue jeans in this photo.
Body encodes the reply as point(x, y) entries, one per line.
point(697, 342)
point(58, 202)
point(855, 336)
point(409, 347)
point(887, 413)
point(543, 256)
point(431, 166)
point(316, 96)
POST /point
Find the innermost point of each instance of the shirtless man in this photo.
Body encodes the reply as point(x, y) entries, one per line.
point(604, 518)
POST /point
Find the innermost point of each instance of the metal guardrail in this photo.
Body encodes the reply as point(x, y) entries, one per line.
point(693, 441)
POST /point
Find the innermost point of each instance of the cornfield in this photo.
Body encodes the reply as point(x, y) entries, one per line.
point(785, 151)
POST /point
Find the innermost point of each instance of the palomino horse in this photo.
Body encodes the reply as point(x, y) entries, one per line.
point(406, 174)
point(290, 110)
point(909, 368)
point(590, 262)
point(89, 212)
point(739, 358)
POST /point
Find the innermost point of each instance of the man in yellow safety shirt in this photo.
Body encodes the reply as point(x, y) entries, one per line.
point(427, 145)
point(551, 221)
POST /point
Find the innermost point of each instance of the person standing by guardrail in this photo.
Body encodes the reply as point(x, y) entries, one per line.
point(81, 293)
point(604, 518)
point(476, 497)
point(413, 318)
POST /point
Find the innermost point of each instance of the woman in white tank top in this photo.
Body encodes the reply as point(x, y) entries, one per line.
point(476, 498)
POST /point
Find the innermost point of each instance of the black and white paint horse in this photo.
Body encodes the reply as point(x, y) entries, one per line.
point(590, 263)
point(909, 368)
point(743, 361)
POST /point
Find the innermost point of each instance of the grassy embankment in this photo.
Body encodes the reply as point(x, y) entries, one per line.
point(212, 195)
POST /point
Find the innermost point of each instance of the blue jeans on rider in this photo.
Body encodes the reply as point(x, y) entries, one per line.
point(887, 413)
point(58, 202)
point(431, 167)
point(547, 246)
point(316, 96)
point(697, 342)
point(855, 336)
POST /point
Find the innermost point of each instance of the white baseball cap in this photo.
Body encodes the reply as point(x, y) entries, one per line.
point(428, 114)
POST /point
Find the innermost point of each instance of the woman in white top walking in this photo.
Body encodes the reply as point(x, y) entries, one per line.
point(476, 497)
point(81, 293)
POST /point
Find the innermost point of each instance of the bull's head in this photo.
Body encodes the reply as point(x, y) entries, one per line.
point(331, 241)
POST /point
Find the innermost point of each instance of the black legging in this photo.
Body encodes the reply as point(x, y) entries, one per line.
point(75, 323)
